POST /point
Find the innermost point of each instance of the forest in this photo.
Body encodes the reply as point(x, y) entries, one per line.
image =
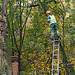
point(25, 33)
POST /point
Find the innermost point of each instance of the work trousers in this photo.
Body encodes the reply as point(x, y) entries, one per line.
point(54, 26)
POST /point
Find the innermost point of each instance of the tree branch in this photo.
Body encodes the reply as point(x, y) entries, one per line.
point(44, 35)
point(40, 3)
point(14, 37)
point(26, 22)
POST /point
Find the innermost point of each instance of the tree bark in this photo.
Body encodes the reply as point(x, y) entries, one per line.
point(4, 60)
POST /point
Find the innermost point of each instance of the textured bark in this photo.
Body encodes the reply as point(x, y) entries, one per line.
point(4, 60)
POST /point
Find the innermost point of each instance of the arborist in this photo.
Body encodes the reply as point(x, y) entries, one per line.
point(52, 22)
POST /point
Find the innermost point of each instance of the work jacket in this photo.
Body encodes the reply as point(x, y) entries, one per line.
point(51, 19)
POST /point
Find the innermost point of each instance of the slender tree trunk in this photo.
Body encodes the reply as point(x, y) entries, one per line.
point(63, 31)
point(19, 51)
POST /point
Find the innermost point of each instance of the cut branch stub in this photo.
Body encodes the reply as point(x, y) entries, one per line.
point(3, 46)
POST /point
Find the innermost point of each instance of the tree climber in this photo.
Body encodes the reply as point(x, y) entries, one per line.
point(52, 22)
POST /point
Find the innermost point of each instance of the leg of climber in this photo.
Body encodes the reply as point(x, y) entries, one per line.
point(57, 30)
point(52, 31)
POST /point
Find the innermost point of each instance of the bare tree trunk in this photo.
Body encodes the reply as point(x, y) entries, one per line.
point(4, 63)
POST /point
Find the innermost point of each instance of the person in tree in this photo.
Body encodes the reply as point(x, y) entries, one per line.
point(52, 22)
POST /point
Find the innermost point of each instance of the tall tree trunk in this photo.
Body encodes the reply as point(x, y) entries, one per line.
point(4, 63)
point(19, 51)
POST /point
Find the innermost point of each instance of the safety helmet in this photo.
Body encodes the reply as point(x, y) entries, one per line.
point(47, 12)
